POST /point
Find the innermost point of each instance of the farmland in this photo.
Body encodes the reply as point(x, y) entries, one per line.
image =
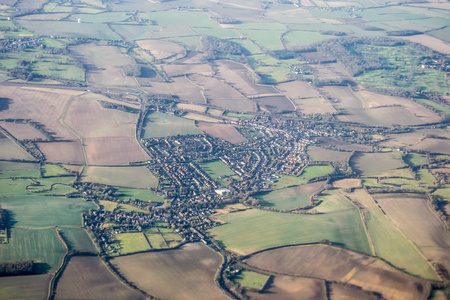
point(183, 273)
point(160, 125)
point(368, 163)
point(222, 131)
point(321, 154)
point(217, 170)
point(251, 280)
point(120, 176)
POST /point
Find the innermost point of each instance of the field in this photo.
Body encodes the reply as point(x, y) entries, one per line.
point(11, 150)
point(77, 239)
point(290, 198)
point(222, 131)
point(252, 230)
point(347, 183)
point(19, 170)
point(41, 245)
point(425, 177)
point(161, 49)
point(340, 265)
point(88, 278)
point(110, 206)
point(200, 118)
point(132, 242)
point(412, 215)
point(33, 211)
point(341, 292)
point(415, 159)
point(25, 287)
point(133, 177)
point(222, 95)
point(433, 145)
point(275, 104)
point(429, 41)
point(388, 242)
point(186, 90)
point(193, 107)
point(49, 170)
point(340, 145)
point(70, 152)
point(217, 170)
point(104, 64)
point(369, 163)
point(316, 171)
point(140, 194)
point(22, 131)
point(184, 273)
point(174, 70)
point(250, 280)
point(321, 154)
point(290, 287)
point(157, 124)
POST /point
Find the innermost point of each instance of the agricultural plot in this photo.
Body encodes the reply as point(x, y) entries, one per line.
point(25, 287)
point(157, 124)
point(412, 215)
point(174, 70)
point(186, 90)
point(89, 278)
point(347, 183)
point(369, 163)
point(274, 104)
point(429, 41)
point(433, 145)
point(321, 154)
point(200, 118)
point(388, 242)
point(184, 273)
point(192, 107)
point(302, 38)
point(35, 211)
point(77, 239)
point(49, 170)
point(340, 145)
point(132, 242)
point(340, 265)
point(23, 131)
point(11, 150)
point(222, 95)
point(217, 170)
point(133, 177)
point(290, 198)
point(41, 245)
point(162, 49)
point(110, 206)
point(252, 230)
point(105, 64)
point(341, 292)
point(138, 194)
point(290, 288)
point(425, 177)
point(19, 170)
point(316, 171)
point(69, 152)
point(222, 131)
point(250, 280)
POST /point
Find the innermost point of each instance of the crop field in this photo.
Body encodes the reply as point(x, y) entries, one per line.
point(110, 206)
point(316, 171)
point(78, 239)
point(222, 131)
point(186, 90)
point(10, 150)
point(429, 41)
point(217, 169)
point(388, 242)
point(19, 170)
point(45, 17)
point(340, 265)
point(22, 131)
point(49, 170)
point(174, 70)
point(321, 154)
point(369, 163)
point(301, 38)
point(157, 124)
point(192, 107)
point(412, 215)
point(34, 211)
point(162, 49)
point(41, 245)
point(433, 145)
point(239, 77)
point(140, 194)
point(340, 145)
point(113, 151)
point(200, 118)
point(25, 287)
point(88, 118)
point(290, 287)
point(275, 104)
point(338, 291)
point(347, 183)
point(132, 242)
point(290, 198)
point(133, 177)
point(252, 230)
point(184, 273)
point(415, 159)
point(442, 109)
point(104, 64)
point(69, 152)
point(88, 278)
point(250, 280)
point(425, 177)
point(222, 95)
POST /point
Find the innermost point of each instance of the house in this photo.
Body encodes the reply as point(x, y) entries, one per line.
point(222, 192)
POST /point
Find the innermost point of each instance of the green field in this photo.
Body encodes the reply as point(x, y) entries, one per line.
point(425, 177)
point(130, 176)
point(415, 159)
point(369, 163)
point(41, 245)
point(132, 242)
point(316, 171)
point(439, 108)
point(49, 170)
point(443, 192)
point(110, 206)
point(217, 169)
point(108, 17)
point(14, 187)
point(252, 230)
point(157, 124)
point(289, 198)
point(388, 242)
point(156, 240)
point(250, 280)
point(301, 38)
point(24, 287)
point(287, 181)
point(138, 194)
point(35, 211)
point(77, 239)
point(52, 186)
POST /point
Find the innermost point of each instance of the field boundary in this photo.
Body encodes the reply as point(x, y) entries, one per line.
point(52, 284)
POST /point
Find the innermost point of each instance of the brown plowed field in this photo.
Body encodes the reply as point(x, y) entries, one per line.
point(113, 151)
point(222, 131)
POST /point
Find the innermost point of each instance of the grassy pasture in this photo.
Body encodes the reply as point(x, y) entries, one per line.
point(132, 242)
point(288, 181)
point(14, 187)
point(415, 159)
point(108, 17)
point(290, 198)
point(183, 273)
point(134, 32)
point(252, 230)
point(321, 154)
point(77, 239)
point(316, 171)
point(388, 242)
point(140, 194)
point(110, 206)
point(340, 145)
point(340, 265)
point(34, 211)
point(25, 287)
point(216, 169)
point(88, 278)
point(222, 131)
point(18, 170)
point(41, 245)
point(157, 124)
point(302, 38)
point(49, 170)
point(403, 173)
point(133, 177)
point(425, 177)
point(441, 109)
point(250, 280)
point(369, 163)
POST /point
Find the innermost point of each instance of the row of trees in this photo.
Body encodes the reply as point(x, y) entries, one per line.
point(16, 267)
